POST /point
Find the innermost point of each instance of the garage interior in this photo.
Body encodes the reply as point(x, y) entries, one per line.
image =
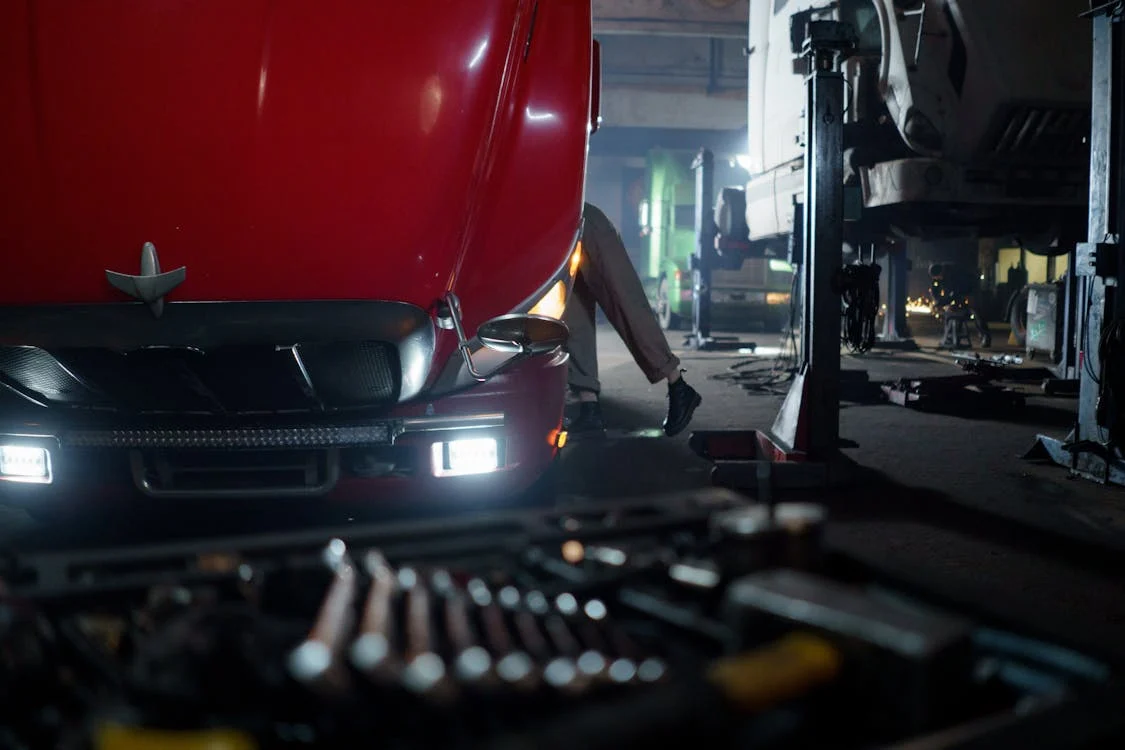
point(948, 491)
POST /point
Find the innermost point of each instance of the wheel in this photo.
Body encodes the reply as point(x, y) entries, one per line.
point(1018, 317)
point(669, 320)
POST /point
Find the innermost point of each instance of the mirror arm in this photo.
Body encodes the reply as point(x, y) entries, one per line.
point(454, 305)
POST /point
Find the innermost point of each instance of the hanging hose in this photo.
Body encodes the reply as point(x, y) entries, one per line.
point(858, 286)
point(1111, 406)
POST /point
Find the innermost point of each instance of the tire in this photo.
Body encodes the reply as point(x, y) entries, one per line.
point(1018, 316)
point(669, 320)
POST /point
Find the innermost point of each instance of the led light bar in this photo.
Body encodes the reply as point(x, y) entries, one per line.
point(377, 433)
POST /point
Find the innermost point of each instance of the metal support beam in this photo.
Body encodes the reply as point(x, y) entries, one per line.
point(809, 421)
point(824, 229)
point(1097, 297)
point(671, 18)
point(1106, 174)
point(895, 329)
point(802, 449)
point(704, 258)
point(1104, 157)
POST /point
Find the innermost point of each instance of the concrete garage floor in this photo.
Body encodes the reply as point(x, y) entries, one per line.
point(950, 504)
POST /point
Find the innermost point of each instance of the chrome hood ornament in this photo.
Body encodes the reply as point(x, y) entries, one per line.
point(150, 286)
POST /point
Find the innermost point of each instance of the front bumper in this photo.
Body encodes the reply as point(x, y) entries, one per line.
point(490, 441)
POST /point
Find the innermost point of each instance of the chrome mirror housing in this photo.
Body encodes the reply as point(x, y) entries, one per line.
point(519, 335)
point(526, 335)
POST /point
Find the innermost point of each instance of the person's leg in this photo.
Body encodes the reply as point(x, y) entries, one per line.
point(579, 316)
point(582, 367)
point(611, 280)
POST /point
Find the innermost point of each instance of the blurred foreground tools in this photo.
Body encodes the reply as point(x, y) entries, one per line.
point(702, 620)
point(436, 634)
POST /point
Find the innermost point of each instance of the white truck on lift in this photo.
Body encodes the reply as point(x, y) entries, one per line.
point(964, 118)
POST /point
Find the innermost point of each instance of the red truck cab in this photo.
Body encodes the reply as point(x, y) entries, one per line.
point(244, 243)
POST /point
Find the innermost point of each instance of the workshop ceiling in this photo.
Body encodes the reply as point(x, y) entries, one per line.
point(680, 18)
point(673, 64)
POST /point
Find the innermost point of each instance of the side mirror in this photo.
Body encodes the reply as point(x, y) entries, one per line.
point(523, 334)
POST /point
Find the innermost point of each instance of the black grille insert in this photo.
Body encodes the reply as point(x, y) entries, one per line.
point(35, 371)
point(259, 379)
point(346, 375)
point(235, 473)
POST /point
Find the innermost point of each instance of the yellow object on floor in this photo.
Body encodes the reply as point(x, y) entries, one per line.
point(117, 737)
point(790, 668)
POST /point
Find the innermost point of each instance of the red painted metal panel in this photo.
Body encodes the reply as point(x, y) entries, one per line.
point(290, 150)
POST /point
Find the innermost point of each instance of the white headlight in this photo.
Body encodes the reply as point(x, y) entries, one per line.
point(25, 463)
point(464, 457)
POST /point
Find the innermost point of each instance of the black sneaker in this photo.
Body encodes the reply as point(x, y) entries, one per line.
point(683, 400)
point(588, 421)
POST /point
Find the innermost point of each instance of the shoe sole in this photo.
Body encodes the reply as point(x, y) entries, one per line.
point(688, 413)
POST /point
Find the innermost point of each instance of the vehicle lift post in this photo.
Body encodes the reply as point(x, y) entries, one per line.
point(704, 260)
point(802, 448)
point(896, 332)
point(1099, 263)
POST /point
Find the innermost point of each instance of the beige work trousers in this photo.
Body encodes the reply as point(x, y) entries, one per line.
point(606, 278)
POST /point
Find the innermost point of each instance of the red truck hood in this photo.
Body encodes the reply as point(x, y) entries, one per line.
point(342, 149)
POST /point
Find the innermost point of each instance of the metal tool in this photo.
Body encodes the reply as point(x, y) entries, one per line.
point(373, 652)
point(472, 663)
point(513, 666)
point(317, 661)
point(425, 672)
point(562, 671)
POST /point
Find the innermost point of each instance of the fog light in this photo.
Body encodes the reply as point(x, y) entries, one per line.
point(24, 463)
point(777, 298)
point(463, 457)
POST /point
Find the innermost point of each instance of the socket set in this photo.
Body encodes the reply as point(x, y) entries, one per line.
point(698, 617)
point(438, 633)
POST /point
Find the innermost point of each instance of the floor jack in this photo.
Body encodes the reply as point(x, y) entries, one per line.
point(803, 447)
